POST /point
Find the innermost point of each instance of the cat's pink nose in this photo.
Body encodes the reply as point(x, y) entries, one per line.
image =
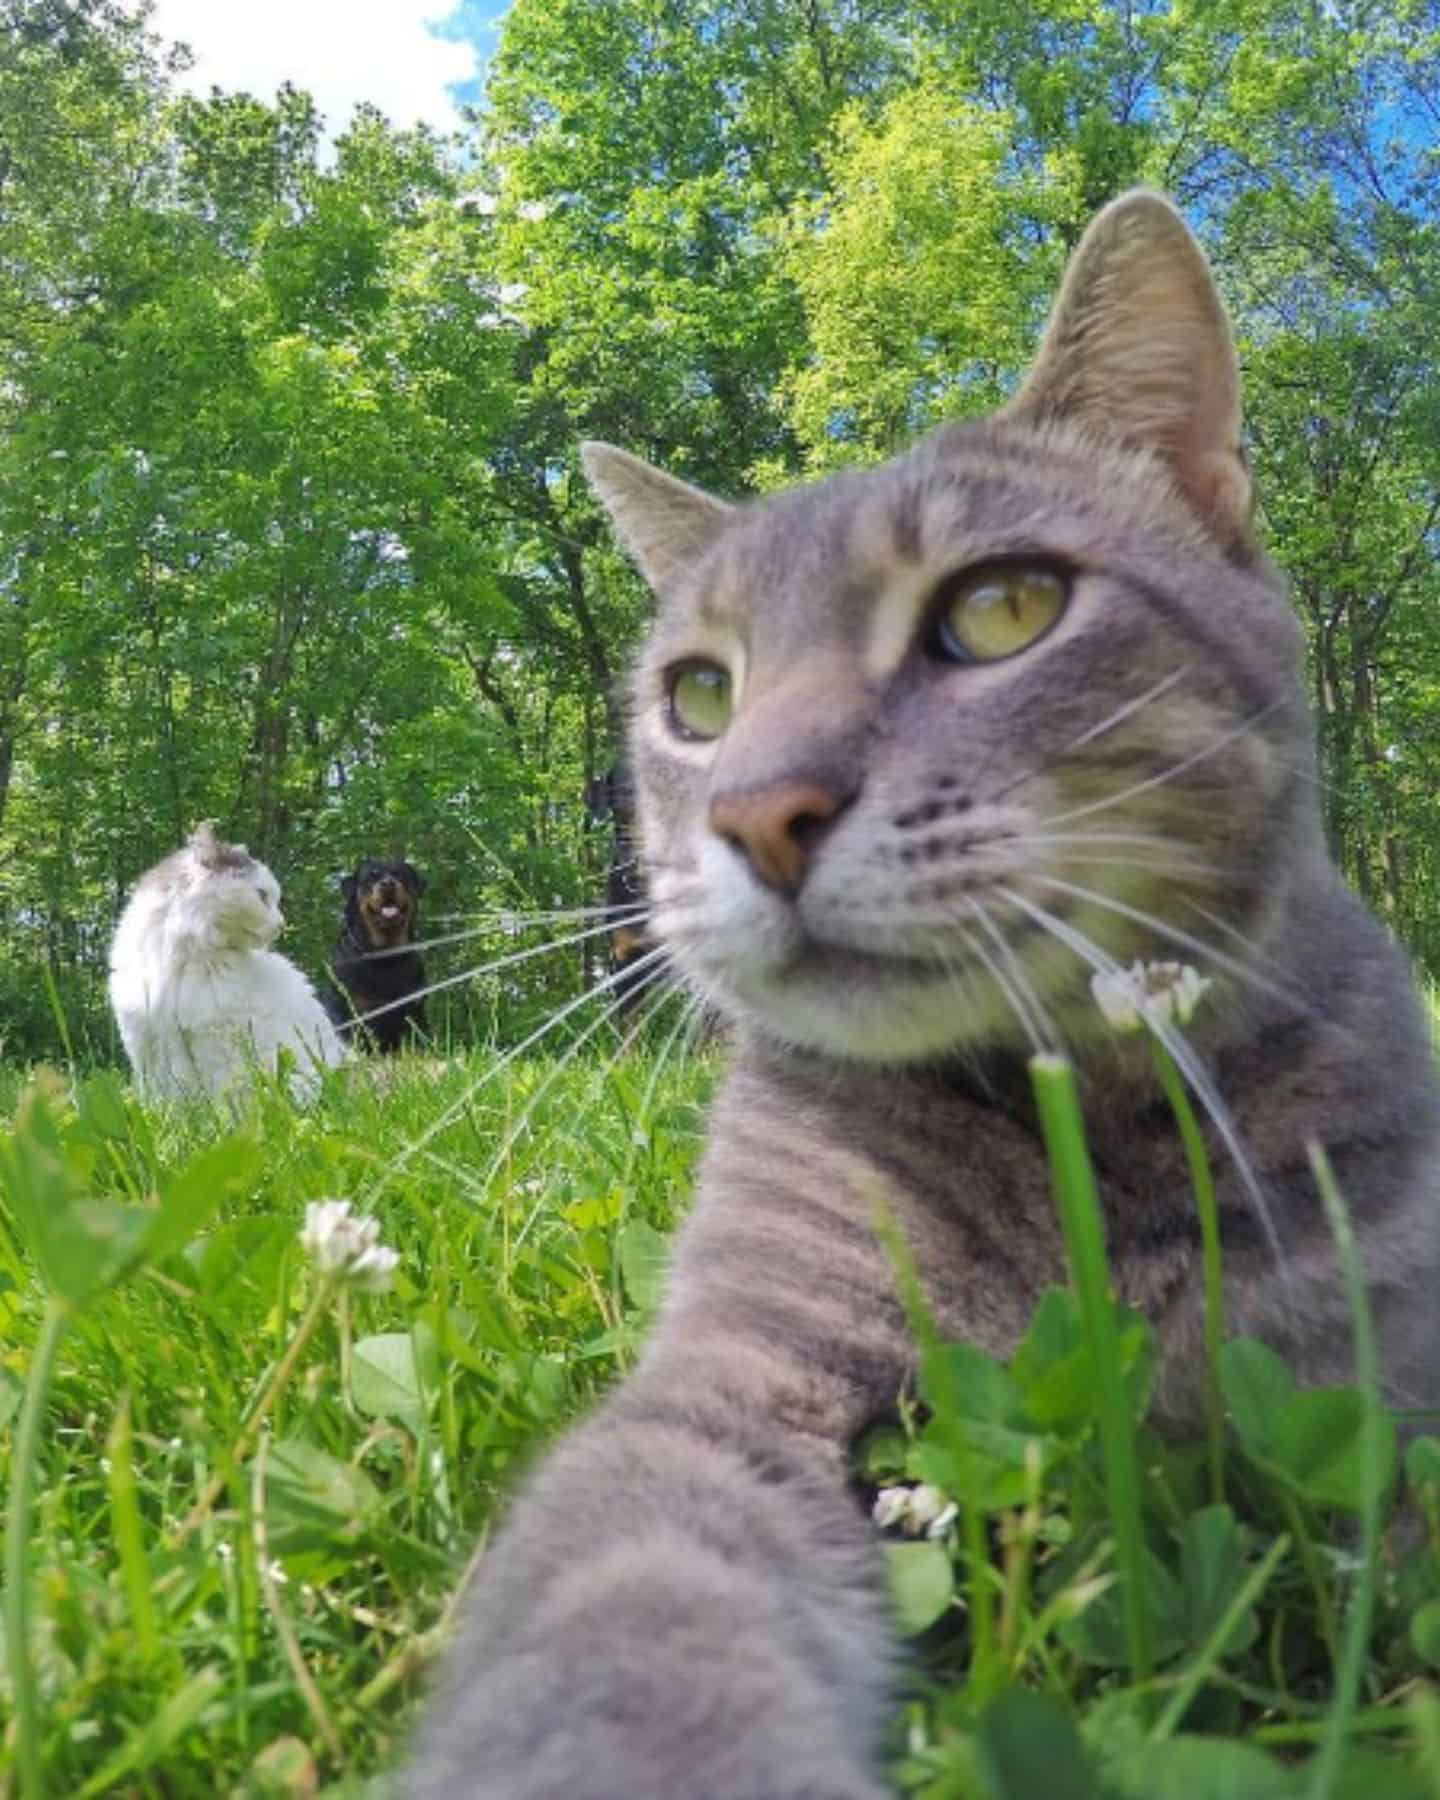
point(777, 828)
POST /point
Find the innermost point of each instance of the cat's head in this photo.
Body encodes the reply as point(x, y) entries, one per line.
point(903, 740)
point(218, 894)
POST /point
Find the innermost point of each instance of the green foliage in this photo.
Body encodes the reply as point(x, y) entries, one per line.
point(1187, 1637)
point(293, 531)
point(167, 1528)
point(226, 1449)
point(1314, 1442)
point(917, 272)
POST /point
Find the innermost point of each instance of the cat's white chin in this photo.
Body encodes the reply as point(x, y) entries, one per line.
point(856, 1006)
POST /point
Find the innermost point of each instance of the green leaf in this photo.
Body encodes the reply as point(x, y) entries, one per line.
point(1098, 1635)
point(1027, 1744)
point(1053, 1370)
point(644, 1256)
point(883, 1453)
point(92, 1244)
point(1371, 1775)
point(313, 1499)
point(980, 1386)
point(1425, 1633)
point(396, 1374)
point(922, 1584)
point(101, 1110)
point(243, 1256)
point(1258, 1389)
point(1195, 1768)
point(1422, 1463)
point(224, 1171)
point(1319, 1441)
point(986, 1463)
point(81, 1244)
point(1212, 1569)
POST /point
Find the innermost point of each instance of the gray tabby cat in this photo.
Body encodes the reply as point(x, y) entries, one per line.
point(917, 751)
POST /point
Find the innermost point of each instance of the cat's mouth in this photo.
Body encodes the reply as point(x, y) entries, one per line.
point(868, 1005)
point(815, 959)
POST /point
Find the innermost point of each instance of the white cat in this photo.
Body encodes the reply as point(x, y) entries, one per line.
point(201, 999)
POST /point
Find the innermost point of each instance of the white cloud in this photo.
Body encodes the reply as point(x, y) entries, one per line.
point(340, 51)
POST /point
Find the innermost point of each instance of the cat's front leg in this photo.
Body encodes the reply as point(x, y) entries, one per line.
point(688, 1600)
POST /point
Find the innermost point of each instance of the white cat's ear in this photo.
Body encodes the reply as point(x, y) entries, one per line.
point(662, 522)
point(210, 853)
point(204, 846)
point(1138, 347)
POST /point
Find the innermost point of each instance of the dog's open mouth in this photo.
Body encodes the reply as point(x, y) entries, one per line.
point(388, 914)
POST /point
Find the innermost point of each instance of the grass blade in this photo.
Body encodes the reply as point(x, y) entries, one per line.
point(1078, 1205)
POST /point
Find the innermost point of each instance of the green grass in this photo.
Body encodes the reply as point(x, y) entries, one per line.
point(253, 1497)
point(528, 1266)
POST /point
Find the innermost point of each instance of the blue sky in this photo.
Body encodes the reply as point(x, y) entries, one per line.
point(418, 60)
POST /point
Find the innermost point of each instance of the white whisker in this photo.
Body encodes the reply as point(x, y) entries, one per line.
point(1134, 840)
point(685, 1028)
point(490, 968)
point(448, 1116)
point(1186, 940)
point(1107, 724)
point(653, 1000)
point(1247, 944)
point(511, 923)
point(503, 917)
point(1185, 1057)
point(1014, 1000)
point(1025, 988)
point(1168, 774)
point(1130, 707)
point(1151, 865)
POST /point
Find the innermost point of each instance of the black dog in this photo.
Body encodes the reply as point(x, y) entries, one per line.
point(373, 964)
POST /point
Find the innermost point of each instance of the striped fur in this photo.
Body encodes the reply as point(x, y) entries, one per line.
point(881, 870)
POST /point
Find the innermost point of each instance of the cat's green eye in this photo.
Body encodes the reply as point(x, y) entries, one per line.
point(700, 700)
point(993, 613)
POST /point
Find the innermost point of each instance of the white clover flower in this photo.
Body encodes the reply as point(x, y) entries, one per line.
point(1157, 993)
point(927, 1504)
point(341, 1244)
point(920, 1510)
point(891, 1506)
point(942, 1521)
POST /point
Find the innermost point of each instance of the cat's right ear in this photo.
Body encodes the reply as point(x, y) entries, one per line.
point(204, 846)
point(664, 523)
point(1138, 349)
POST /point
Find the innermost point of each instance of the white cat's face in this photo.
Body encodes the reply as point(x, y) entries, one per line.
point(236, 907)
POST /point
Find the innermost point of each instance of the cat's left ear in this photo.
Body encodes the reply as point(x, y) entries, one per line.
point(662, 522)
point(1139, 348)
point(205, 847)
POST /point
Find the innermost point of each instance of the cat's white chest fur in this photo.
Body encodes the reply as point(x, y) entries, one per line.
point(201, 1000)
